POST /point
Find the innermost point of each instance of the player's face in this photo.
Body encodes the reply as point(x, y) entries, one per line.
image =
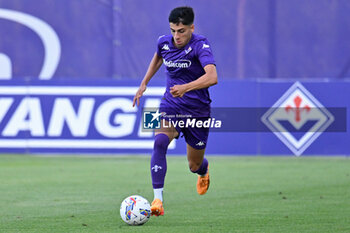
point(181, 33)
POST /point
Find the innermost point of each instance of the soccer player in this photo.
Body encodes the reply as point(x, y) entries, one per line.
point(190, 69)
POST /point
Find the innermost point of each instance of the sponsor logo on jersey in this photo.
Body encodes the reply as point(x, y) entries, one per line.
point(205, 46)
point(177, 64)
point(165, 47)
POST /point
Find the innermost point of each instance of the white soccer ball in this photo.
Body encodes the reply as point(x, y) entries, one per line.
point(135, 210)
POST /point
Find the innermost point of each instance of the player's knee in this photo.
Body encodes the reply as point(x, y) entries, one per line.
point(161, 142)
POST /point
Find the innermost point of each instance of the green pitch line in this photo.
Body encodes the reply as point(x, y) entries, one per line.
point(247, 194)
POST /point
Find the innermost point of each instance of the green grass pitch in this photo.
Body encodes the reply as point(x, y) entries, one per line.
point(247, 194)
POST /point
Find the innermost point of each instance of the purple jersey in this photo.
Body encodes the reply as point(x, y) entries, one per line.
point(185, 65)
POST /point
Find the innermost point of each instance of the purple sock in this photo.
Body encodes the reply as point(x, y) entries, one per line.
point(158, 160)
point(203, 168)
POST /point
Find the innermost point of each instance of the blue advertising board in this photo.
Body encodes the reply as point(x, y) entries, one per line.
point(328, 100)
point(75, 117)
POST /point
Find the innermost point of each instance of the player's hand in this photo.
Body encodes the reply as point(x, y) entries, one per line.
point(138, 95)
point(177, 90)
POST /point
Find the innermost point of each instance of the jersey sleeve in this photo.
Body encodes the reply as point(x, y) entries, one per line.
point(159, 47)
point(204, 53)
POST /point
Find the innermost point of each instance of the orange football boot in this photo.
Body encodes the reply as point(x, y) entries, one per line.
point(157, 208)
point(203, 183)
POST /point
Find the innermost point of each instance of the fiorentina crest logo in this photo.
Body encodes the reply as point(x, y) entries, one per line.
point(297, 118)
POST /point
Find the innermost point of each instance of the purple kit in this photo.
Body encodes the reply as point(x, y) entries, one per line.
point(184, 65)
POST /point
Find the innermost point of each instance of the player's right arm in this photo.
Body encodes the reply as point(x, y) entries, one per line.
point(153, 67)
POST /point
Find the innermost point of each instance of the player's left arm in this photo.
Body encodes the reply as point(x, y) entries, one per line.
point(210, 78)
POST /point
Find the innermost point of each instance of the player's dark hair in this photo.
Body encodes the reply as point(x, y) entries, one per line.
point(183, 14)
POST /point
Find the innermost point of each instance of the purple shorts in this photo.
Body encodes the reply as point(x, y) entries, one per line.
point(195, 136)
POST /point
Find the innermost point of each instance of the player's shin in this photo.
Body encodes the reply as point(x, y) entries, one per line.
point(202, 170)
point(158, 164)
